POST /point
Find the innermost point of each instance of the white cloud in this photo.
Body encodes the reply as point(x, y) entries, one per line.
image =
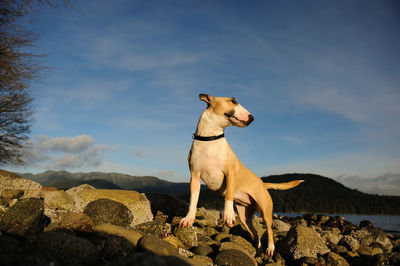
point(387, 184)
point(66, 152)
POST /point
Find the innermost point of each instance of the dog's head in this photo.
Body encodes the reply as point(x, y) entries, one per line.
point(229, 109)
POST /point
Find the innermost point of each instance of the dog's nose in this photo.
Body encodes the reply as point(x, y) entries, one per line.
point(251, 119)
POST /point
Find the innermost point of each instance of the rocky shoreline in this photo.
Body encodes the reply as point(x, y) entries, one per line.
point(88, 226)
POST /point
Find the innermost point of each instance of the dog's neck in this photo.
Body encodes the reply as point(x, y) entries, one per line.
point(211, 124)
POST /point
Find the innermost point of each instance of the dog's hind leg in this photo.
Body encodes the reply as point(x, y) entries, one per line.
point(264, 207)
point(245, 214)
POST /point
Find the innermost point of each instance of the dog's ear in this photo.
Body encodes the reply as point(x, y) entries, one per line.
point(205, 97)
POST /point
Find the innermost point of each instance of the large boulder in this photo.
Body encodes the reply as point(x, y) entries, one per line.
point(105, 211)
point(136, 202)
point(23, 219)
point(301, 241)
point(11, 181)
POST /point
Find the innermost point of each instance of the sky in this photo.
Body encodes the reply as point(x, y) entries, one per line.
point(121, 92)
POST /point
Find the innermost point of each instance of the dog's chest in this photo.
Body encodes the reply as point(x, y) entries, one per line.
point(209, 159)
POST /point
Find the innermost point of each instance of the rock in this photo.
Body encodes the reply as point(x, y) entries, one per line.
point(11, 181)
point(56, 203)
point(188, 236)
point(6, 195)
point(386, 259)
point(207, 218)
point(23, 219)
point(157, 246)
point(372, 236)
point(203, 260)
point(366, 224)
point(174, 241)
point(111, 247)
point(280, 226)
point(76, 222)
point(340, 223)
point(301, 241)
point(232, 245)
point(106, 211)
point(169, 205)
point(331, 237)
point(11, 251)
point(131, 235)
point(136, 202)
point(67, 249)
point(234, 257)
point(222, 237)
point(350, 243)
point(147, 259)
point(155, 227)
point(334, 259)
point(202, 250)
point(244, 244)
point(58, 199)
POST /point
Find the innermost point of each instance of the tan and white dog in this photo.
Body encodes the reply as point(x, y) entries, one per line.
point(212, 160)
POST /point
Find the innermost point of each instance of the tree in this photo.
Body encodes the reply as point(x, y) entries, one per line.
point(18, 68)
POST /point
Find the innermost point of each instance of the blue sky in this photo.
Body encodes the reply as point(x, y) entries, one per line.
point(320, 77)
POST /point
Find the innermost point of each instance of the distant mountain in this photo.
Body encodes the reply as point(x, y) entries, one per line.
point(320, 194)
point(317, 194)
point(65, 180)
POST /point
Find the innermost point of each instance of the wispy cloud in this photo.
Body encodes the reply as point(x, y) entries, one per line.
point(66, 152)
point(387, 184)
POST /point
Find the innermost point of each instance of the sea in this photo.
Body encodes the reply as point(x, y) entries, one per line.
point(388, 223)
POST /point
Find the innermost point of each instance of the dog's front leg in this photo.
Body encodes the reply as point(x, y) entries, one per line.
point(194, 198)
point(229, 213)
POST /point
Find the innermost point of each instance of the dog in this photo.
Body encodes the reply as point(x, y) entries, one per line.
point(212, 160)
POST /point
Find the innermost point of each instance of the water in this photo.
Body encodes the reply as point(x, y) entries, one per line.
point(388, 223)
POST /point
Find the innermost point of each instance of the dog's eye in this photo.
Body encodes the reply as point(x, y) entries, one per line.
point(234, 101)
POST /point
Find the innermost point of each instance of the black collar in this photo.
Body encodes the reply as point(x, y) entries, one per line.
point(196, 137)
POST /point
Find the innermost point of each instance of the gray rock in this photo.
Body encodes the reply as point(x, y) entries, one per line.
point(147, 259)
point(23, 219)
point(76, 222)
point(301, 241)
point(136, 202)
point(334, 259)
point(67, 249)
point(372, 237)
point(206, 217)
point(280, 226)
point(188, 236)
point(202, 250)
point(386, 259)
point(154, 228)
point(156, 246)
point(350, 243)
point(167, 204)
point(106, 211)
point(234, 257)
point(11, 181)
point(111, 247)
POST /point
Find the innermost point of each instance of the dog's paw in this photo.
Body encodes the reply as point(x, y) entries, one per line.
point(270, 249)
point(229, 218)
point(186, 222)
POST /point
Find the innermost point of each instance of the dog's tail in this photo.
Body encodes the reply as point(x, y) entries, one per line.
point(283, 186)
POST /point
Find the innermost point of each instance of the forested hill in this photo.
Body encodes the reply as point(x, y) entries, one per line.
point(320, 194)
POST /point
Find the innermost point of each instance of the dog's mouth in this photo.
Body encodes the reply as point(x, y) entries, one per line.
point(237, 121)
